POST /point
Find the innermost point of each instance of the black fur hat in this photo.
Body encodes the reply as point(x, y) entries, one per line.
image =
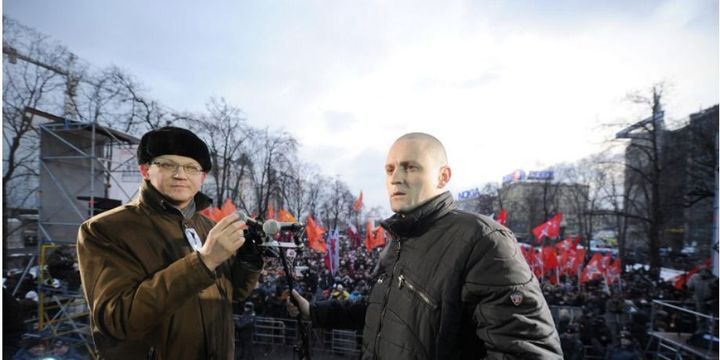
point(170, 140)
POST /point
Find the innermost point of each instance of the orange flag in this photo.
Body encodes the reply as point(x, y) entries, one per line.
point(216, 214)
point(315, 234)
point(270, 212)
point(369, 237)
point(358, 203)
point(286, 216)
point(374, 237)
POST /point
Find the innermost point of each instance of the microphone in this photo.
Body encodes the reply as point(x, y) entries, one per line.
point(272, 227)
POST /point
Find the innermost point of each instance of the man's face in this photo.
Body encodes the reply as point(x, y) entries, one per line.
point(412, 175)
point(179, 185)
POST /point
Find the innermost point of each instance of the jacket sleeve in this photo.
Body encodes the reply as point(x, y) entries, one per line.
point(506, 303)
point(125, 303)
point(333, 314)
point(246, 268)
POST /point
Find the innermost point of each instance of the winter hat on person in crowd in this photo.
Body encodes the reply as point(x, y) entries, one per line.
point(170, 140)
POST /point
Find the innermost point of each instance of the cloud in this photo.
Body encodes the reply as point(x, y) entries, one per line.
point(505, 85)
point(338, 121)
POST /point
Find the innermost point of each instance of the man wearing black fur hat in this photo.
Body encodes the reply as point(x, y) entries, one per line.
point(160, 278)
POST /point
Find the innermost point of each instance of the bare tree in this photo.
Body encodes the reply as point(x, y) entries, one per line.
point(643, 173)
point(26, 84)
point(270, 155)
point(226, 132)
point(300, 187)
point(337, 208)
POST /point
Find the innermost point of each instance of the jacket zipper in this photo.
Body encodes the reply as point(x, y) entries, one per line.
point(385, 299)
point(403, 282)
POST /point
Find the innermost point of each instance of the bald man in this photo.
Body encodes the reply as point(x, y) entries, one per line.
point(450, 284)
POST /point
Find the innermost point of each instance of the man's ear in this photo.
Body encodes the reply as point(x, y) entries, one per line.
point(144, 171)
point(444, 176)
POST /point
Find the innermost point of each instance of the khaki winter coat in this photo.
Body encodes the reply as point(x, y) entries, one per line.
point(150, 295)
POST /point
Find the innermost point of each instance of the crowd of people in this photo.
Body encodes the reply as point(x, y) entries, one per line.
point(608, 322)
point(591, 319)
point(352, 280)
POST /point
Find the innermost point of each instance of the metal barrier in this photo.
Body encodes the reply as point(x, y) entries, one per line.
point(270, 331)
point(346, 341)
point(681, 344)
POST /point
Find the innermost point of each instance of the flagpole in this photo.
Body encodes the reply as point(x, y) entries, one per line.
point(557, 274)
point(579, 275)
point(357, 244)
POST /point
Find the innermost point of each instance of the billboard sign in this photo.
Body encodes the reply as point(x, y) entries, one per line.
point(469, 194)
point(520, 176)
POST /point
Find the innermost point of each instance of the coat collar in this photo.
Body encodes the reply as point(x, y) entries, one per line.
point(419, 219)
point(150, 196)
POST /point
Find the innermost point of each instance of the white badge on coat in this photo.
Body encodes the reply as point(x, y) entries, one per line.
point(193, 238)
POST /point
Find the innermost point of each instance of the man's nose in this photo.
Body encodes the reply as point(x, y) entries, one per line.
point(396, 177)
point(177, 172)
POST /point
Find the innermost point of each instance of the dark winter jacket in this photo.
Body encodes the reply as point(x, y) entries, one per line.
point(150, 295)
point(452, 285)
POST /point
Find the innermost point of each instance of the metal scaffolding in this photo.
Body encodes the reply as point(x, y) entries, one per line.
point(80, 173)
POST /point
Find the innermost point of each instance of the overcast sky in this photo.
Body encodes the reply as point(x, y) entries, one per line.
point(504, 84)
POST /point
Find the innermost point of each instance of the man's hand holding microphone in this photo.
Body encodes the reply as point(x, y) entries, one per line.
point(224, 239)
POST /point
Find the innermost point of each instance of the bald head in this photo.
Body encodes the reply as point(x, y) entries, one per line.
point(429, 144)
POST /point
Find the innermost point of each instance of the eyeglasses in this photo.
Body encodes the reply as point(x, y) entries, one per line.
point(171, 167)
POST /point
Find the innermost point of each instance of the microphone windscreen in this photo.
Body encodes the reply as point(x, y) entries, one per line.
point(271, 227)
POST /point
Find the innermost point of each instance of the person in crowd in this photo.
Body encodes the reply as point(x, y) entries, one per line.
point(245, 326)
point(572, 347)
point(160, 279)
point(615, 312)
point(626, 349)
point(704, 287)
point(340, 293)
point(450, 284)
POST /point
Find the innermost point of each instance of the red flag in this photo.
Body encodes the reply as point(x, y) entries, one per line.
point(353, 234)
point(567, 245)
point(379, 237)
point(369, 233)
point(612, 272)
point(538, 264)
point(593, 269)
point(270, 212)
point(502, 218)
point(680, 281)
point(315, 235)
point(550, 263)
point(529, 255)
point(606, 262)
point(374, 237)
point(578, 261)
point(358, 203)
point(218, 214)
point(571, 260)
point(549, 229)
